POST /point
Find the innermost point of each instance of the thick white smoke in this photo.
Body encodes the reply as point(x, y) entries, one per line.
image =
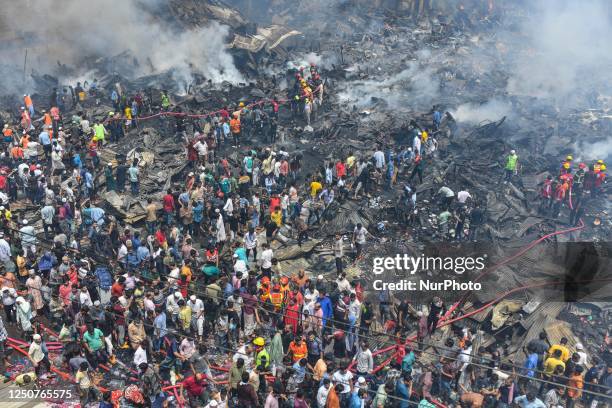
point(472, 113)
point(415, 86)
point(563, 50)
point(71, 30)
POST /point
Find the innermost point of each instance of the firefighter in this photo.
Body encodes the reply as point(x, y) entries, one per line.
point(276, 298)
point(566, 165)
point(546, 194)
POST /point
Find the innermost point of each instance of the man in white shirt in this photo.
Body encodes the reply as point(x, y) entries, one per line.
point(322, 393)
point(266, 260)
point(172, 306)
point(140, 355)
point(5, 250)
point(416, 144)
point(239, 265)
point(197, 314)
point(463, 196)
point(359, 238)
point(379, 159)
point(343, 284)
point(344, 377)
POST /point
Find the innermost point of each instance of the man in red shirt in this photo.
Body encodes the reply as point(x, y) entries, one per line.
point(119, 315)
point(195, 386)
point(118, 287)
point(169, 206)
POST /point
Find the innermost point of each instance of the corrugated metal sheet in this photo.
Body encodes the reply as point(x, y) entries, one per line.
point(559, 329)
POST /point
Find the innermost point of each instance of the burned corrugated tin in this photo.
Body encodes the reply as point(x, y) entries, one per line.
point(269, 37)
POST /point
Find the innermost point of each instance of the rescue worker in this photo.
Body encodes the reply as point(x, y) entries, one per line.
point(560, 195)
point(511, 166)
point(276, 297)
point(566, 165)
point(165, 100)
point(27, 101)
point(600, 179)
point(578, 182)
point(235, 128)
point(262, 357)
point(546, 194)
point(100, 133)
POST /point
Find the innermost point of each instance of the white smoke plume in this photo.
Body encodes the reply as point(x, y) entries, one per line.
point(563, 50)
point(414, 87)
point(71, 30)
point(472, 113)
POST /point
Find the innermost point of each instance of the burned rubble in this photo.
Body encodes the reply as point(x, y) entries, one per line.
point(381, 72)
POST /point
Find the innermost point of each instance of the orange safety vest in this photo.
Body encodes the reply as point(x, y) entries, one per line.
point(17, 152)
point(277, 299)
point(298, 352)
point(7, 132)
point(235, 125)
point(27, 100)
point(47, 119)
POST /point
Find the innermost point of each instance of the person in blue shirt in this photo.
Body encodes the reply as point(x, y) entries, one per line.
point(529, 401)
point(142, 252)
point(88, 184)
point(357, 397)
point(531, 363)
point(198, 216)
point(241, 252)
point(299, 369)
point(76, 161)
point(408, 361)
point(403, 389)
point(45, 140)
point(437, 118)
point(160, 330)
point(326, 306)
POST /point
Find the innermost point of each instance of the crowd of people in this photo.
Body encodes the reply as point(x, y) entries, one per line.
point(194, 307)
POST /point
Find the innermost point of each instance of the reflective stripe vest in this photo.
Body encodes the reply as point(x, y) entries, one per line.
point(298, 352)
point(511, 162)
point(262, 353)
point(277, 299)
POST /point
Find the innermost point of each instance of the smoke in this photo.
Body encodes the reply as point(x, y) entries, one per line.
point(73, 31)
point(414, 87)
point(595, 151)
point(324, 60)
point(563, 52)
point(472, 113)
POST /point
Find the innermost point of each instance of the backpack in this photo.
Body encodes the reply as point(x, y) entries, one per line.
point(105, 279)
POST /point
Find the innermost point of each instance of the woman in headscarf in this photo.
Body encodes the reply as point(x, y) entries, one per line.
point(24, 314)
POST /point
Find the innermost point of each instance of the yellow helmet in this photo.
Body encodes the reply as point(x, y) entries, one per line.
point(602, 167)
point(566, 165)
point(259, 341)
point(599, 161)
point(569, 157)
point(241, 104)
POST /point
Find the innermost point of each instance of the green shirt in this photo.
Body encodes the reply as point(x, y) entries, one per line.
point(210, 270)
point(443, 217)
point(95, 340)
